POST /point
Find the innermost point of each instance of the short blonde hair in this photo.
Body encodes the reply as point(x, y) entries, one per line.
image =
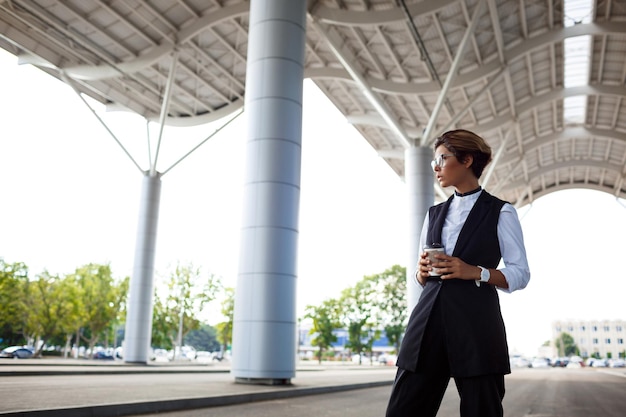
point(463, 143)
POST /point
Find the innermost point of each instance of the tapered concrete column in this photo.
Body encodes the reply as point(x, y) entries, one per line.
point(418, 176)
point(264, 332)
point(139, 307)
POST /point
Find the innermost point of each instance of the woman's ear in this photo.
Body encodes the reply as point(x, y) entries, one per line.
point(468, 161)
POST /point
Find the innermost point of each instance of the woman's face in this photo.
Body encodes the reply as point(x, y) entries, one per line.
point(450, 171)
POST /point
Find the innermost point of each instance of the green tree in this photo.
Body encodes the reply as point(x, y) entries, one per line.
point(13, 304)
point(390, 293)
point(73, 318)
point(359, 310)
point(225, 328)
point(102, 299)
point(50, 304)
point(203, 338)
point(117, 325)
point(325, 319)
point(565, 345)
point(164, 325)
point(188, 292)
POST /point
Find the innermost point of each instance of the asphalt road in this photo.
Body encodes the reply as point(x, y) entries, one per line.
point(530, 392)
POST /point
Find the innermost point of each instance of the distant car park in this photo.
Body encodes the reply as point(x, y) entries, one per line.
point(17, 352)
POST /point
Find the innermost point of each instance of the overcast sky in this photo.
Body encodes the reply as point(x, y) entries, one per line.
point(70, 196)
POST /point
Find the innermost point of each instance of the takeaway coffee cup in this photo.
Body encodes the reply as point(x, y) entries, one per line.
point(431, 250)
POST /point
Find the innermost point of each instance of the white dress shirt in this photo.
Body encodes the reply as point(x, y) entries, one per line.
point(514, 263)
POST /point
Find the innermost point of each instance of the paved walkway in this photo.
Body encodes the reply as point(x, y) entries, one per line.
point(46, 387)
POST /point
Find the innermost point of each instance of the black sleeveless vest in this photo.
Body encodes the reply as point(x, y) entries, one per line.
point(473, 326)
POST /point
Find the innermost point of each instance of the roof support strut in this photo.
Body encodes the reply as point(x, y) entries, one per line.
point(335, 43)
point(496, 158)
point(164, 108)
point(465, 109)
point(452, 73)
point(70, 82)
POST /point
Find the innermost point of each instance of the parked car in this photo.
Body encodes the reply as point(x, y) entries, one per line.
point(186, 353)
point(599, 363)
point(160, 355)
point(387, 359)
point(560, 362)
point(617, 363)
point(18, 352)
point(540, 363)
point(202, 356)
point(575, 362)
point(519, 362)
point(103, 355)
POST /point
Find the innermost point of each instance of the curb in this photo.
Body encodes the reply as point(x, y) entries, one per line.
point(129, 409)
point(113, 372)
point(49, 370)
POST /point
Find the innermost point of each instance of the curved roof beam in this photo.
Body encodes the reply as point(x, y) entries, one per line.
point(432, 87)
point(567, 133)
point(556, 94)
point(98, 72)
point(573, 163)
point(529, 105)
point(560, 34)
point(375, 120)
point(197, 120)
point(86, 72)
point(396, 88)
point(569, 186)
point(213, 18)
point(344, 17)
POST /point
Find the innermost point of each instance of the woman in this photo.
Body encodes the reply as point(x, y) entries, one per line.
point(456, 330)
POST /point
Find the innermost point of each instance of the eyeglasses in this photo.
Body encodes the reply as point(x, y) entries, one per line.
point(440, 160)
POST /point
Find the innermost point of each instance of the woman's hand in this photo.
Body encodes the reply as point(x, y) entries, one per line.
point(452, 267)
point(424, 268)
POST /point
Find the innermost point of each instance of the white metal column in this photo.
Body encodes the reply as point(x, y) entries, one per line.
point(264, 332)
point(418, 176)
point(139, 307)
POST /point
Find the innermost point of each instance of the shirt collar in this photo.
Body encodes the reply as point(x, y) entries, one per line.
point(457, 194)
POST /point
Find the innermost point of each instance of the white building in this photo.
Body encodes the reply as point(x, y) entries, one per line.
point(593, 336)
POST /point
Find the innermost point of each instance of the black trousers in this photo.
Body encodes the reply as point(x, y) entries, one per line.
point(419, 393)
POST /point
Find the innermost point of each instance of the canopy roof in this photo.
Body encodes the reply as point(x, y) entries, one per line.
point(384, 63)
